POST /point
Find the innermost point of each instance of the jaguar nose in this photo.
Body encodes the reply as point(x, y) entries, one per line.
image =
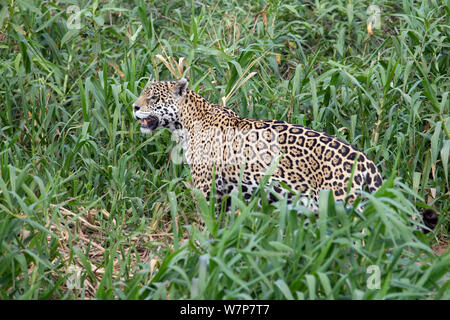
point(136, 107)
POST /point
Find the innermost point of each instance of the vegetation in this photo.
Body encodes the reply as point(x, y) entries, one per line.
point(82, 192)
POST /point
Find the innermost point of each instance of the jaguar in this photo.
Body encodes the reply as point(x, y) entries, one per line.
point(236, 152)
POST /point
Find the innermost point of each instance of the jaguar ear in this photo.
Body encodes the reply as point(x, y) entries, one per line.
point(180, 88)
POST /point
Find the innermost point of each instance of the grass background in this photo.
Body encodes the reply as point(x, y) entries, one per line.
point(83, 192)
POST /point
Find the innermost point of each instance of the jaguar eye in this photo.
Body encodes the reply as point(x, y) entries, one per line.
point(151, 98)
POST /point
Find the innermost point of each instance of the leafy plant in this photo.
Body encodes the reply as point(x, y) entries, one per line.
point(81, 190)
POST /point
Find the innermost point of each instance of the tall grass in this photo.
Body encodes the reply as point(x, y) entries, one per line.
point(80, 187)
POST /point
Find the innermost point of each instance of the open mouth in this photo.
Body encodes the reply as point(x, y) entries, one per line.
point(149, 123)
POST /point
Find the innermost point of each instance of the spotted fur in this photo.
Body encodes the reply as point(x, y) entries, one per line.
point(216, 138)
